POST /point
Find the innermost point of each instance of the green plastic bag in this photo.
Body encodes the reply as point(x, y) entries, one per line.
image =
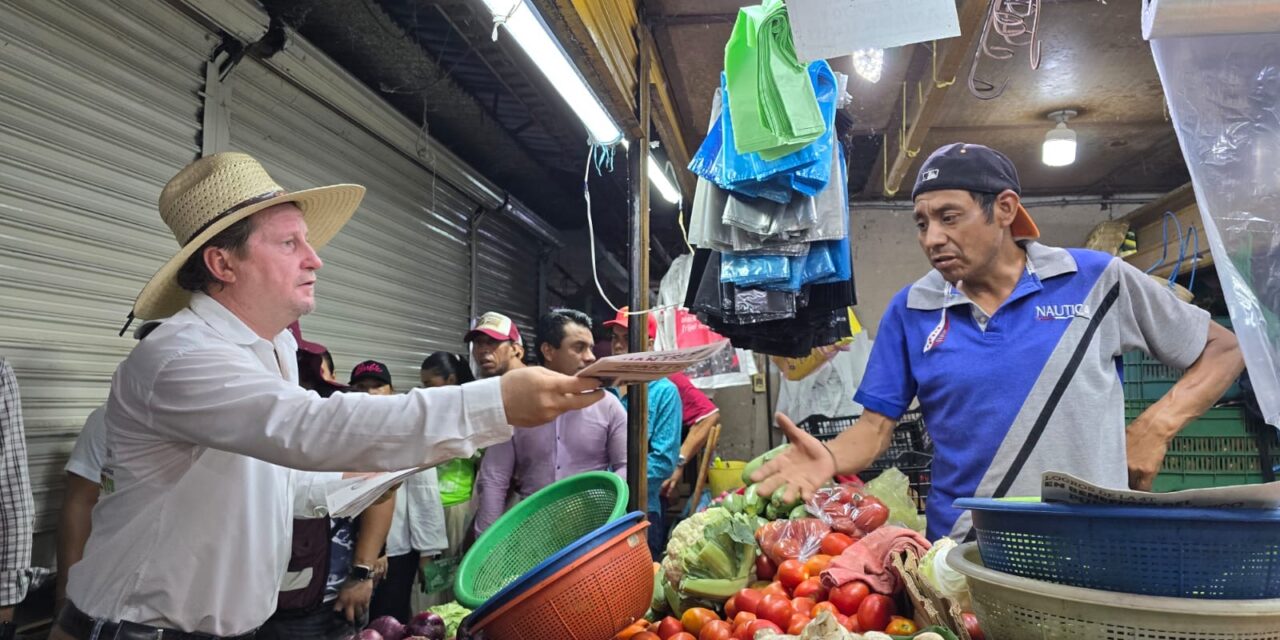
point(438, 574)
point(456, 479)
point(771, 97)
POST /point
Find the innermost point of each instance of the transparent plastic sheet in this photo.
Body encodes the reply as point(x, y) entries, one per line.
point(1224, 98)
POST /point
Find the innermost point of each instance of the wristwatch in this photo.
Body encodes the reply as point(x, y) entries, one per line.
point(360, 572)
point(682, 461)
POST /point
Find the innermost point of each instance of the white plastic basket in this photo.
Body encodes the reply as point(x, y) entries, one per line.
point(1013, 608)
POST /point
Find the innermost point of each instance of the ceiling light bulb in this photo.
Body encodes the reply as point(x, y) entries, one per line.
point(661, 180)
point(529, 31)
point(868, 63)
point(1059, 148)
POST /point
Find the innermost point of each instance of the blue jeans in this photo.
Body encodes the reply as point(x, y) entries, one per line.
point(657, 535)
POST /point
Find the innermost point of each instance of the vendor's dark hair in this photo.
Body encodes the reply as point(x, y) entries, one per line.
point(551, 327)
point(988, 203)
point(445, 364)
point(328, 359)
point(194, 275)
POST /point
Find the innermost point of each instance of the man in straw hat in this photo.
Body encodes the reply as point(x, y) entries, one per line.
point(207, 424)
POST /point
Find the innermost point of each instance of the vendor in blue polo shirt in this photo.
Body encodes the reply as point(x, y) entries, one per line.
point(1011, 348)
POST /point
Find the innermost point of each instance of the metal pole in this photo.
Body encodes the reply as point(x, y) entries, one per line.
point(473, 239)
point(637, 396)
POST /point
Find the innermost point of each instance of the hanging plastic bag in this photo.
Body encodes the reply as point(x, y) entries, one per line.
point(848, 510)
point(746, 271)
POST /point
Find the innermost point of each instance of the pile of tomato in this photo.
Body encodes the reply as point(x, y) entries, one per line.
point(787, 604)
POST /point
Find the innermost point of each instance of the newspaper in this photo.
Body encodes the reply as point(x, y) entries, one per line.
point(648, 366)
point(1063, 487)
point(350, 497)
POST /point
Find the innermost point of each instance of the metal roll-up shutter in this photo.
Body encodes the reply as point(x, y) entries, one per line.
point(396, 281)
point(100, 106)
point(508, 276)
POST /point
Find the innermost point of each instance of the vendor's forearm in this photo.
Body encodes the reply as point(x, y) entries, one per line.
point(861, 444)
point(1201, 385)
point(698, 436)
point(375, 524)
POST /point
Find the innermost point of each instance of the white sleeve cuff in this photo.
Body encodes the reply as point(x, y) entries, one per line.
point(482, 403)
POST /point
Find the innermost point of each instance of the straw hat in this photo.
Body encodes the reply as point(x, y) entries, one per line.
point(213, 193)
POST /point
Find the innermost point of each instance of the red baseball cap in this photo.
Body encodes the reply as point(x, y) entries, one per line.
point(305, 345)
point(496, 326)
point(623, 319)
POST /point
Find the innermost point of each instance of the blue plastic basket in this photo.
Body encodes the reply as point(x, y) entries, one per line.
point(1176, 552)
point(555, 563)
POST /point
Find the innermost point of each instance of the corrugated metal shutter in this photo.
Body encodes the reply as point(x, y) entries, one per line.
point(396, 280)
point(508, 278)
point(100, 105)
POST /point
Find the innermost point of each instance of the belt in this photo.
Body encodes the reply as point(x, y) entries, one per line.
point(81, 626)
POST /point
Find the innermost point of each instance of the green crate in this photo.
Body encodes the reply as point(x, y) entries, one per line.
point(1148, 379)
point(1218, 449)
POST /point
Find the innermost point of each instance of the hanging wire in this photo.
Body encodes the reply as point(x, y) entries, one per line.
point(500, 19)
point(937, 83)
point(1164, 232)
point(592, 153)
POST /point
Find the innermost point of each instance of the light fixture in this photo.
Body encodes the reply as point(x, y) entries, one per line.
point(1059, 148)
point(868, 63)
point(532, 34)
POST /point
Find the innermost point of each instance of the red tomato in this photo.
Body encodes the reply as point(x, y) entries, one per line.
point(812, 588)
point(645, 635)
point(875, 611)
point(791, 573)
point(786, 549)
point(971, 626)
point(872, 514)
point(803, 605)
point(683, 635)
point(817, 564)
point(822, 606)
point(849, 596)
point(774, 588)
point(842, 620)
point(632, 629)
point(747, 600)
point(716, 630)
point(854, 625)
point(694, 618)
point(834, 543)
point(765, 569)
point(742, 619)
point(731, 608)
point(899, 626)
point(668, 627)
point(761, 624)
point(798, 622)
point(775, 609)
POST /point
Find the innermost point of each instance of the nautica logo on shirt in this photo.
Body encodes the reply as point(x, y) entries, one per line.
point(1062, 311)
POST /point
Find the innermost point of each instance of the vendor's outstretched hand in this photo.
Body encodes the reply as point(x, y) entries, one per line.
point(803, 468)
point(533, 396)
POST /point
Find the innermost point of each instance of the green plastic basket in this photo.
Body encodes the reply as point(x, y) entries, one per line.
point(537, 528)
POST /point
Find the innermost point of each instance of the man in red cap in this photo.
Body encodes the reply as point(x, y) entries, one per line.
point(496, 345)
point(664, 432)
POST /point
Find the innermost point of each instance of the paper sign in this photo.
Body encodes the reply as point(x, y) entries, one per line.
point(1063, 487)
point(632, 368)
point(349, 498)
point(835, 28)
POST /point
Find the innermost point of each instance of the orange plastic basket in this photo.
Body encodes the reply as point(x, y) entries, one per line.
point(593, 598)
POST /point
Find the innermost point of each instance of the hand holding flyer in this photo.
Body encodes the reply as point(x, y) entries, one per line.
point(648, 366)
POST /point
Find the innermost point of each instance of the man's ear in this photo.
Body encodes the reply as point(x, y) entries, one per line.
point(545, 350)
point(219, 264)
point(1005, 208)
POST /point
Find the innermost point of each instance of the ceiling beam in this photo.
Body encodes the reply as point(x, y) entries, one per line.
point(901, 150)
point(693, 19)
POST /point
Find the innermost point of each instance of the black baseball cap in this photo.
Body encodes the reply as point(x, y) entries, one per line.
point(370, 369)
point(974, 167)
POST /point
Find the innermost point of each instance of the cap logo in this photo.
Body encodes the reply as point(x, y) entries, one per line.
point(929, 175)
point(366, 367)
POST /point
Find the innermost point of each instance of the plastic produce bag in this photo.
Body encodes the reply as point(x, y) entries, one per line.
point(773, 99)
point(456, 478)
point(893, 489)
point(848, 509)
point(786, 539)
point(754, 270)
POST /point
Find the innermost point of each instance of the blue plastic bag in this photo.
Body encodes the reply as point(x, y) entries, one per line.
point(752, 271)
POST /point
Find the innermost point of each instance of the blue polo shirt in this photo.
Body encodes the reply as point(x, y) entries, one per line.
point(1035, 387)
point(665, 411)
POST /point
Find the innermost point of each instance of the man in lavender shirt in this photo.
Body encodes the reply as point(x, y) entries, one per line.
point(594, 439)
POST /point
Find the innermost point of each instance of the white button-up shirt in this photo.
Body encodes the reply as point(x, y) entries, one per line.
point(204, 422)
point(418, 524)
